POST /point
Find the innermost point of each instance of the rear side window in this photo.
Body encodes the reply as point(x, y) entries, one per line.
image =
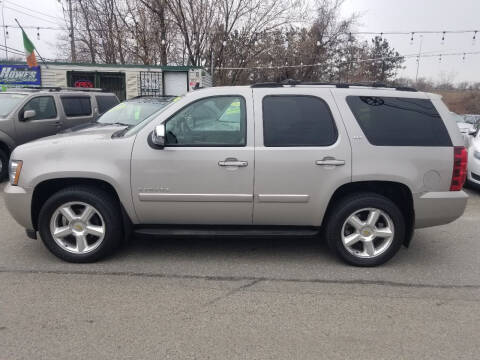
point(297, 121)
point(391, 121)
point(106, 103)
point(77, 105)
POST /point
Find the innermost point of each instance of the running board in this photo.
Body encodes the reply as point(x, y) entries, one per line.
point(225, 231)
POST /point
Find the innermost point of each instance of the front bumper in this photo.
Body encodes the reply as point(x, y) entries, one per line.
point(474, 177)
point(473, 174)
point(19, 204)
point(438, 208)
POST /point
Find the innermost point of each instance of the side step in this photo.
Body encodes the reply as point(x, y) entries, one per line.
point(210, 231)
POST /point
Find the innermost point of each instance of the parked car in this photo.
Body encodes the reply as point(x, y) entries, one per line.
point(466, 129)
point(128, 113)
point(472, 119)
point(134, 111)
point(363, 166)
point(29, 114)
point(474, 161)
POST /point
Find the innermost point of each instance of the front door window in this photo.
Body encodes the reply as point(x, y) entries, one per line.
point(44, 107)
point(214, 121)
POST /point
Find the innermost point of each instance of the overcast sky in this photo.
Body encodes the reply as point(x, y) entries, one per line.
point(376, 16)
point(423, 15)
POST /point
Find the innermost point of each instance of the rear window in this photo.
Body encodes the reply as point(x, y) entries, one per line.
point(391, 121)
point(106, 103)
point(77, 105)
point(297, 121)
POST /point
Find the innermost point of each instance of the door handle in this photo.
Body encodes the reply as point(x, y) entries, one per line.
point(233, 162)
point(330, 161)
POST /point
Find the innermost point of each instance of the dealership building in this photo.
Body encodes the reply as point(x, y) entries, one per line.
point(127, 81)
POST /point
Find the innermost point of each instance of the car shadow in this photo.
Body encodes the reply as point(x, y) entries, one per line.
point(226, 247)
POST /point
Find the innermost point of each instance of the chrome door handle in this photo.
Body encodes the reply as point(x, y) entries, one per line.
point(328, 161)
point(232, 162)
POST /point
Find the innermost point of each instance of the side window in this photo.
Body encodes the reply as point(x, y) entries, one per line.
point(214, 121)
point(44, 107)
point(297, 121)
point(76, 105)
point(391, 121)
point(106, 103)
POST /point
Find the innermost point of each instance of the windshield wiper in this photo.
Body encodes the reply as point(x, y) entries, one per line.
point(115, 123)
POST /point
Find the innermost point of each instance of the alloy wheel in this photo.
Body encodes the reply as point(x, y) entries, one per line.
point(77, 227)
point(368, 233)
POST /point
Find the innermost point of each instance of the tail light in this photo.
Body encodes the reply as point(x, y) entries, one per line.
point(460, 157)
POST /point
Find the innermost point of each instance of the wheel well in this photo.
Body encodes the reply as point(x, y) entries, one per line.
point(47, 188)
point(399, 193)
point(5, 148)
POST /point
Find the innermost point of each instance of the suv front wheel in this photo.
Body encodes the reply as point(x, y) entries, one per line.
point(81, 224)
point(365, 229)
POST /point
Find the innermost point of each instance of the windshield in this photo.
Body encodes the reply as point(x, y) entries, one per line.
point(8, 102)
point(131, 113)
point(133, 130)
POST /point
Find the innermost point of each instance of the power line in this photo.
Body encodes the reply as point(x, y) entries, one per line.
point(380, 33)
point(36, 11)
point(27, 14)
point(17, 51)
point(12, 50)
point(425, 55)
point(421, 32)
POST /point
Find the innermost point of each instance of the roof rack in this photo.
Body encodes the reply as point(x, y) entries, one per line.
point(292, 82)
point(59, 88)
point(267, 85)
point(152, 97)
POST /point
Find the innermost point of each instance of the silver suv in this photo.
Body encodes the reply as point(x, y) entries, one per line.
point(29, 114)
point(360, 166)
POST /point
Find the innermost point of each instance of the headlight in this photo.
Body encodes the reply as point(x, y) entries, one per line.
point(14, 170)
point(476, 154)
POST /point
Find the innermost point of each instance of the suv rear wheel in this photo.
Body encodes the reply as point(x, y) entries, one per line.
point(365, 229)
point(81, 224)
point(3, 165)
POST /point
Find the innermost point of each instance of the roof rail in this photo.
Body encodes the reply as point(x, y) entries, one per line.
point(59, 88)
point(406, 88)
point(266, 85)
point(152, 97)
point(291, 82)
point(80, 89)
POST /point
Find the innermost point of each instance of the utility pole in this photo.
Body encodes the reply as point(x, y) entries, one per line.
point(419, 57)
point(4, 33)
point(212, 68)
point(72, 34)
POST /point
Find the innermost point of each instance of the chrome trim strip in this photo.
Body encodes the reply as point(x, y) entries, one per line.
point(276, 198)
point(195, 197)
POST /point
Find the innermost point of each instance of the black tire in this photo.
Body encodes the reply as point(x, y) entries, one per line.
point(107, 206)
point(3, 165)
point(348, 206)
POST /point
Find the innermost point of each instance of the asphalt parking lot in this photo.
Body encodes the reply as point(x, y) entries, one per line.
point(243, 299)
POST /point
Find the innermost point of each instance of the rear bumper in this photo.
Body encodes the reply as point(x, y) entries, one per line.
point(18, 202)
point(438, 208)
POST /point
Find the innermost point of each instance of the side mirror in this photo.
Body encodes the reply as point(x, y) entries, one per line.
point(473, 132)
point(157, 137)
point(28, 114)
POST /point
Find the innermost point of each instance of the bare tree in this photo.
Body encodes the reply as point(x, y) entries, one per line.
point(240, 41)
